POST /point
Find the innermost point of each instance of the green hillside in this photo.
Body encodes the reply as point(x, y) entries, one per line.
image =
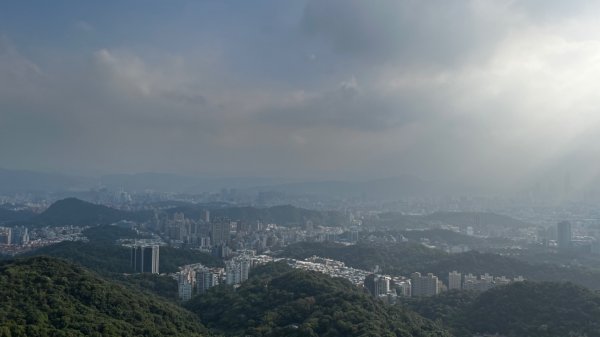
point(524, 309)
point(284, 302)
point(44, 296)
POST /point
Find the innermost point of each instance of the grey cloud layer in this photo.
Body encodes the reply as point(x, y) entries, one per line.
point(492, 91)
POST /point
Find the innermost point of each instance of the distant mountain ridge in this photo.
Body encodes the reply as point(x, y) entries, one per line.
point(73, 211)
point(76, 212)
point(17, 181)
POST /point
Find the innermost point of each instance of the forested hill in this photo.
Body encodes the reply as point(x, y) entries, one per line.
point(43, 296)
point(72, 211)
point(523, 309)
point(285, 302)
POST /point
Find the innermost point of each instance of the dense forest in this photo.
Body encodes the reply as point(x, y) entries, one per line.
point(279, 301)
point(43, 296)
point(405, 258)
point(522, 309)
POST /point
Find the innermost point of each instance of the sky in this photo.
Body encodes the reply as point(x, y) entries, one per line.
point(499, 93)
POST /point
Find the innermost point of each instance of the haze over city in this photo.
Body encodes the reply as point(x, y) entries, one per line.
point(300, 168)
point(493, 94)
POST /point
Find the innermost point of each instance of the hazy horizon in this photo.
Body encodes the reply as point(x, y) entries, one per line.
point(497, 94)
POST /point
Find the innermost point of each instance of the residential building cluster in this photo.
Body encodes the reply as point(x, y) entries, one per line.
point(20, 239)
point(483, 283)
point(197, 278)
point(330, 267)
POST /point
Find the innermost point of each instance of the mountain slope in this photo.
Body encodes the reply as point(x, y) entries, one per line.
point(301, 303)
point(43, 296)
point(536, 309)
point(523, 309)
point(72, 211)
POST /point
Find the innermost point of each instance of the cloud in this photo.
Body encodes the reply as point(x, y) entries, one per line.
point(83, 26)
point(491, 91)
point(409, 32)
point(16, 71)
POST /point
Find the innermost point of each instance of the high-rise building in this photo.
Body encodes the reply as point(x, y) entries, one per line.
point(220, 230)
point(5, 235)
point(206, 279)
point(354, 235)
point(404, 288)
point(19, 236)
point(486, 281)
point(564, 235)
point(454, 280)
point(145, 259)
point(471, 282)
point(424, 285)
point(185, 285)
point(501, 281)
point(377, 284)
point(236, 270)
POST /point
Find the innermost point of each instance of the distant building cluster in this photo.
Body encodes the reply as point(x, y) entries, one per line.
point(18, 236)
point(20, 239)
point(425, 285)
point(237, 269)
point(197, 278)
point(483, 283)
point(222, 236)
point(419, 285)
point(330, 267)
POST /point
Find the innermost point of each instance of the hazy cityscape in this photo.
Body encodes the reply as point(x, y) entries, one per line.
point(315, 168)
